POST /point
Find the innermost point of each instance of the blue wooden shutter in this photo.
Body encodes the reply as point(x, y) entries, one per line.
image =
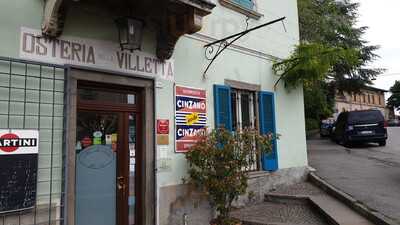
point(222, 106)
point(267, 125)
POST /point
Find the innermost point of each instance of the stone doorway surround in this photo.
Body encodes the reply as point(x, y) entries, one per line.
point(74, 74)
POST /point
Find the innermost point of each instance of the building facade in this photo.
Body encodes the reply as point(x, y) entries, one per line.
point(368, 98)
point(112, 126)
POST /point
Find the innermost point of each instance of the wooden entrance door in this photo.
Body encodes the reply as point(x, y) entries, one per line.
point(108, 155)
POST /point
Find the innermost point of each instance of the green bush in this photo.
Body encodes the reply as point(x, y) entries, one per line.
point(217, 162)
point(312, 124)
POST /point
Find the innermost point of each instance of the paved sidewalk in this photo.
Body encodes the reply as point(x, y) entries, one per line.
point(369, 173)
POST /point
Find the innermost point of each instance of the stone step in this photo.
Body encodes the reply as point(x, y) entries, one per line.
point(337, 212)
point(279, 213)
point(334, 211)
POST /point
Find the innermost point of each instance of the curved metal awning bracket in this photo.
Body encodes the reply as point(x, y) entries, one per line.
point(214, 49)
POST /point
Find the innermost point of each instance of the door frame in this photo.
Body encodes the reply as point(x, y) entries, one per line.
point(146, 88)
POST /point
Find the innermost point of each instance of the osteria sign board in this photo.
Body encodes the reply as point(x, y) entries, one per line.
point(91, 53)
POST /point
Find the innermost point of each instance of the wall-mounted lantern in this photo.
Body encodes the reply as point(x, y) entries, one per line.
point(130, 32)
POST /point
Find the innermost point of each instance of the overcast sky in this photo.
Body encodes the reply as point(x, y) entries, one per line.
point(382, 17)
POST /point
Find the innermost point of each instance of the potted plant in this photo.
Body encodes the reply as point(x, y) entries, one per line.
point(217, 166)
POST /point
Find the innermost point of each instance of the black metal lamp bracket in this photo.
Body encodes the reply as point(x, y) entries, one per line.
point(214, 49)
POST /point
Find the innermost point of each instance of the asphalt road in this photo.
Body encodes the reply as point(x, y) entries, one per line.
point(369, 173)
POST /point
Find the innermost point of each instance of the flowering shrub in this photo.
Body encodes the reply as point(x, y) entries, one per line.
point(217, 165)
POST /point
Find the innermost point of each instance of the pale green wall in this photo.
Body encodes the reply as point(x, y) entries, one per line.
point(242, 66)
point(13, 15)
point(250, 64)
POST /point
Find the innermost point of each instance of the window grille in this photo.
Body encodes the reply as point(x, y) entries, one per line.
point(32, 97)
point(243, 116)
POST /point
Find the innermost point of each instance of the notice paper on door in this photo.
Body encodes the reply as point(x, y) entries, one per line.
point(163, 152)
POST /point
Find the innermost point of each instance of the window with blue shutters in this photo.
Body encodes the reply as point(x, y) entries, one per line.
point(236, 109)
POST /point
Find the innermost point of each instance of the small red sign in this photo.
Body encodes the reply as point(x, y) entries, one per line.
point(162, 126)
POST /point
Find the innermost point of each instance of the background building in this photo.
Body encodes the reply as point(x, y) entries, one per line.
point(368, 98)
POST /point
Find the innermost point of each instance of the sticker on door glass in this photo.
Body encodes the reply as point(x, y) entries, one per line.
point(78, 146)
point(97, 134)
point(108, 139)
point(97, 138)
point(132, 149)
point(114, 139)
point(86, 142)
point(132, 168)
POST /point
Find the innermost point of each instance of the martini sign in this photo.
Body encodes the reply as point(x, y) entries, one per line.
point(17, 142)
point(18, 169)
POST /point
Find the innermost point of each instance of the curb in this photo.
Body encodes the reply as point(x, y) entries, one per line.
point(373, 216)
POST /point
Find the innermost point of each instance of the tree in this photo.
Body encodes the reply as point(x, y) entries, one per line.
point(319, 106)
point(331, 50)
point(312, 63)
point(333, 23)
point(394, 100)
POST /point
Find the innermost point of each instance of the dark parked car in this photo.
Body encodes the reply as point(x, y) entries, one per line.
point(393, 123)
point(360, 127)
point(326, 127)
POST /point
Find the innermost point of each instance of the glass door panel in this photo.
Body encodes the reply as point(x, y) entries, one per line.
point(96, 167)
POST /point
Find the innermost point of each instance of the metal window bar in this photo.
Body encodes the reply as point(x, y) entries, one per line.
point(50, 83)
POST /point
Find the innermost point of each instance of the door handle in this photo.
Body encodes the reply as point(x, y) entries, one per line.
point(121, 184)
